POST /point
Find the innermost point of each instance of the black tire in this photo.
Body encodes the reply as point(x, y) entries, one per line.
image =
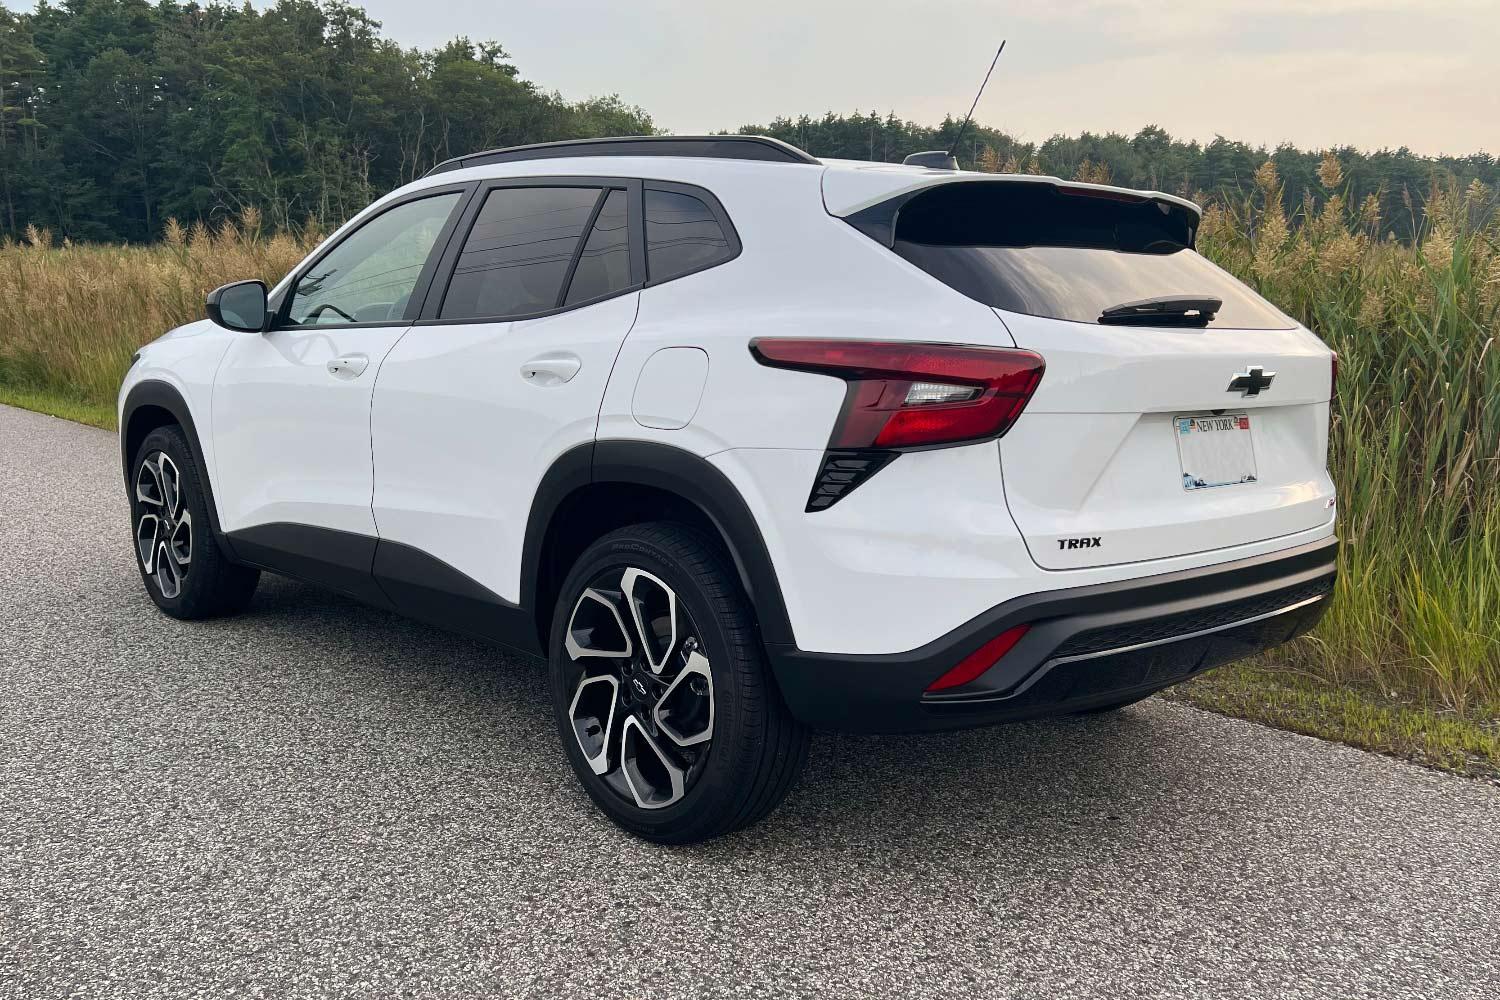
point(755, 751)
point(188, 575)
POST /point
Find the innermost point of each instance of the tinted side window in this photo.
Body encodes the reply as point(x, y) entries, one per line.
point(682, 235)
point(517, 253)
point(604, 266)
point(369, 276)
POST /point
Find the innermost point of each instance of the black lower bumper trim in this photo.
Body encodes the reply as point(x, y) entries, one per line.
point(1086, 647)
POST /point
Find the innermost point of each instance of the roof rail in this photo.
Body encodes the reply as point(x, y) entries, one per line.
point(720, 147)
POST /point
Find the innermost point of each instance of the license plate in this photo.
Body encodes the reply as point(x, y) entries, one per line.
point(1215, 450)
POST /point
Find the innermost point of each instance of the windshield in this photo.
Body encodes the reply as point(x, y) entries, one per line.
point(1033, 248)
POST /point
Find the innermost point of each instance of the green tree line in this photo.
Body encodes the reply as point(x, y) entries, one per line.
point(116, 115)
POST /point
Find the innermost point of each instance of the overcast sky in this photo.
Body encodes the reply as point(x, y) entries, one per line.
point(1369, 73)
point(1319, 73)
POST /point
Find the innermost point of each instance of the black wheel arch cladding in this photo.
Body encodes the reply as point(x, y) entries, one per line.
point(151, 404)
point(671, 470)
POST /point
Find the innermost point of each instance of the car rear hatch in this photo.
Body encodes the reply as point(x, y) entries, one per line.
point(1179, 412)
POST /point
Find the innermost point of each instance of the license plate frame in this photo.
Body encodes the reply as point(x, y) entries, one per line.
point(1215, 450)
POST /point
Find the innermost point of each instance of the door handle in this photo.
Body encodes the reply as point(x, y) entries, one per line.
point(349, 366)
point(551, 369)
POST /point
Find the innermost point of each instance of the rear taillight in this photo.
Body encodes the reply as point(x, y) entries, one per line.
point(982, 659)
point(1333, 382)
point(913, 395)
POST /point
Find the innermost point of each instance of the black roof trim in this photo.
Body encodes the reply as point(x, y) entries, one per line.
point(719, 147)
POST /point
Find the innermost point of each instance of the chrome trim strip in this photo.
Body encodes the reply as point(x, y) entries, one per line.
point(1186, 635)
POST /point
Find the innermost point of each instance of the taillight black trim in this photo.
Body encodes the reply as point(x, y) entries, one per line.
point(842, 472)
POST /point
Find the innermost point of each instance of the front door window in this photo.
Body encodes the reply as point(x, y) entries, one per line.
point(369, 277)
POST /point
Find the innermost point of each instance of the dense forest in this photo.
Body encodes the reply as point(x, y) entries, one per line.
point(116, 115)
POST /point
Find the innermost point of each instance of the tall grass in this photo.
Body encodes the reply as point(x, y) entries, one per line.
point(71, 316)
point(1416, 429)
point(1415, 442)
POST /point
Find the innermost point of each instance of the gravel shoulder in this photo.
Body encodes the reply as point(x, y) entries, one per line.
point(321, 799)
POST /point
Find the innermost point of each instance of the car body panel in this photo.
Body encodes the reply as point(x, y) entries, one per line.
point(1095, 457)
point(292, 438)
point(462, 439)
point(187, 359)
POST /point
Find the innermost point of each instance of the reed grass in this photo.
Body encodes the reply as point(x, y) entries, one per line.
point(71, 316)
point(1415, 442)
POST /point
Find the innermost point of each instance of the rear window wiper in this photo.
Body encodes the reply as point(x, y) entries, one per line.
point(1174, 309)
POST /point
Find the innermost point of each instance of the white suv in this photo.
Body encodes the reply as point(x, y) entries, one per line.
point(744, 442)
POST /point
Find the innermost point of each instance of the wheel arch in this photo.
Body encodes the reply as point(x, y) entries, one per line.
point(598, 487)
point(152, 404)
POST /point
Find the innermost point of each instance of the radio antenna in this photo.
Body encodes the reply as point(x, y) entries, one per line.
point(977, 96)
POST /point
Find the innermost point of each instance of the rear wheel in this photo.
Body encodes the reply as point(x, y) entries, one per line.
point(183, 568)
point(663, 699)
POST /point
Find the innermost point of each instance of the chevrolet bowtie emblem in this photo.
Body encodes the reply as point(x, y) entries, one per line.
point(1251, 382)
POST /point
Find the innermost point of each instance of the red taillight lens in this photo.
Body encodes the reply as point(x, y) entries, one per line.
point(977, 662)
point(914, 395)
point(1333, 383)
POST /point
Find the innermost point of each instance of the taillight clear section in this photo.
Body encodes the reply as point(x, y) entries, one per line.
point(910, 395)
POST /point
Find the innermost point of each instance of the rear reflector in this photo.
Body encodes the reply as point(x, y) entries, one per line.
point(904, 395)
point(982, 659)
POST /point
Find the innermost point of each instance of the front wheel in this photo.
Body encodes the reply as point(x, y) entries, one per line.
point(181, 564)
point(661, 691)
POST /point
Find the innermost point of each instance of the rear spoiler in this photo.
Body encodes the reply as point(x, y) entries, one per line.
point(874, 212)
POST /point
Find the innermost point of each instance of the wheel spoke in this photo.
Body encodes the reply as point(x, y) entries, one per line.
point(653, 611)
point(146, 538)
point(171, 485)
point(148, 488)
point(685, 711)
point(168, 576)
point(595, 697)
point(654, 780)
point(180, 545)
point(594, 617)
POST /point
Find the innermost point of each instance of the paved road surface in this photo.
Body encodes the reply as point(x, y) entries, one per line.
point(318, 799)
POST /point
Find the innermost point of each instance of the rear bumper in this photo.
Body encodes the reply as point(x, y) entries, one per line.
point(1086, 647)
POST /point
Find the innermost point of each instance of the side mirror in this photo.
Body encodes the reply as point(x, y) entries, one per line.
point(239, 305)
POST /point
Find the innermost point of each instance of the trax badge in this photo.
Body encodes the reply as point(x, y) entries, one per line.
point(1079, 543)
point(1251, 381)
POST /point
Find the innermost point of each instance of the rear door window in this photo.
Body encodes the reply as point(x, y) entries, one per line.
point(517, 255)
point(1031, 248)
point(604, 265)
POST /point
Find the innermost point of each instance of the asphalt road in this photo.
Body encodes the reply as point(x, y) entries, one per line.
point(318, 799)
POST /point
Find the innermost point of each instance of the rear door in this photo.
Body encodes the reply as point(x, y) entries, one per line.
point(1201, 427)
point(502, 374)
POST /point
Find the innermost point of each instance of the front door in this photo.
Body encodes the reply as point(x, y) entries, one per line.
point(291, 407)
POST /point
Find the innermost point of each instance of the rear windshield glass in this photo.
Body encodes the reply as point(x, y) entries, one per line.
point(1031, 248)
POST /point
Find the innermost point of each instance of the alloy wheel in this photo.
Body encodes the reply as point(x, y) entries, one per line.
point(164, 525)
point(642, 705)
